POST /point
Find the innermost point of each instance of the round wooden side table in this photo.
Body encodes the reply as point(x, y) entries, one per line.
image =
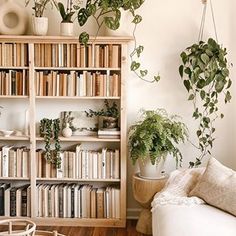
point(144, 191)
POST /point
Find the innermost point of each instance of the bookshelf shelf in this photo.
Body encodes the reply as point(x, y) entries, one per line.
point(54, 65)
point(15, 138)
point(76, 98)
point(82, 139)
point(78, 180)
point(13, 97)
point(78, 68)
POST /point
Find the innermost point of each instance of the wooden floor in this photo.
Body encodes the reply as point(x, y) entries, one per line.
point(85, 231)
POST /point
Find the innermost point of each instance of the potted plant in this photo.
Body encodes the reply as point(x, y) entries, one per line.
point(67, 26)
point(154, 137)
point(108, 116)
point(205, 74)
point(49, 130)
point(39, 22)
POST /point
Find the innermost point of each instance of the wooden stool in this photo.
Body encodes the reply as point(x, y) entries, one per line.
point(144, 191)
point(29, 227)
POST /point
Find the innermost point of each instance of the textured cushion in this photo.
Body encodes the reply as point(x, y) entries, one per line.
point(217, 186)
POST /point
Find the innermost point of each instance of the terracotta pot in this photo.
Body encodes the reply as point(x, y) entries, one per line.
point(150, 171)
point(67, 29)
point(40, 26)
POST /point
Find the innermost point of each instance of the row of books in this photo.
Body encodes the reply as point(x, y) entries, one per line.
point(77, 201)
point(14, 161)
point(76, 55)
point(81, 164)
point(14, 201)
point(13, 54)
point(54, 83)
point(14, 82)
point(108, 133)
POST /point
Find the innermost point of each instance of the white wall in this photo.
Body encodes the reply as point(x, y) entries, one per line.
point(168, 27)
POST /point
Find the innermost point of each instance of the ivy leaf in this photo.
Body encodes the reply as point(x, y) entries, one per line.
point(139, 50)
point(187, 85)
point(157, 78)
point(83, 38)
point(134, 66)
point(184, 57)
point(205, 58)
point(137, 19)
point(91, 9)
point(82, 16)
point(229, 84)
point(143, 72)
point(191, 97)
point(181, 71)
point(219, 86)
point(202, 94)
point(187, 71)
point(221, 116)
point(201, 83)
point(228, 97)
point(199, 132)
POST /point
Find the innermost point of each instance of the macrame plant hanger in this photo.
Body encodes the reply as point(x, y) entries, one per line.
point(203, 19)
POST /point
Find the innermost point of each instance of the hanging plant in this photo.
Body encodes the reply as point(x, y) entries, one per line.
point(207, 81)
point(108, 13)
point(50, 129)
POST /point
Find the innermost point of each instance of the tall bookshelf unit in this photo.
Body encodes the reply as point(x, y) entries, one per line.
point(33, 140)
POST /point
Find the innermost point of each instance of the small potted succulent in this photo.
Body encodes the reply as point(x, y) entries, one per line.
point(67, 25)
point(108, 117)
point(154, 137)
point(39, 22)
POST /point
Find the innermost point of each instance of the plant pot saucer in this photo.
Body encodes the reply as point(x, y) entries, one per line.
point(154, 178)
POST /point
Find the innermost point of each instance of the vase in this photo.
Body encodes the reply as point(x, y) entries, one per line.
point(13, 18)
point(40, 26)
point(67, 29)
point(150, 171)
point(109, 122)
point(67, 131)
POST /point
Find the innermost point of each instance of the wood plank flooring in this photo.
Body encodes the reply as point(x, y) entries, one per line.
point(87, 231)
point(91, 231)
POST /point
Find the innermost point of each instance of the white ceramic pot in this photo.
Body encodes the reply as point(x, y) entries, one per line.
point(67, 131)
point(126, 26)
point(150, 171)
point(40, 26)
point(66, 29)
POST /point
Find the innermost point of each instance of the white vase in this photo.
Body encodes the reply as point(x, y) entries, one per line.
point(40, 25)
point(13, 18)
point(150, 171)
point(126, 26)
point(67, 131)
point(67, 29)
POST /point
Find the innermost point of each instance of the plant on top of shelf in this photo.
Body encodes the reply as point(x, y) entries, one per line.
point(108, 13)
point(206, 79)
point(109, 114)
point(155, 136)
point(49, 130)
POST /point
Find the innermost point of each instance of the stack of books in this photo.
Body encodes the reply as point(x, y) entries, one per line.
point(109, 133)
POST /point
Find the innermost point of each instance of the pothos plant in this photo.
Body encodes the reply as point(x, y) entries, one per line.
point(50, 129)
point(108, 13)
point(205, 74)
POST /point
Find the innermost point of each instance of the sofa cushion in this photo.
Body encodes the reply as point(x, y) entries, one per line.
point(217, 186)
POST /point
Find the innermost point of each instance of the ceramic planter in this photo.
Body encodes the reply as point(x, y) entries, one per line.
point(67, 29)
point(67, 131)
point(40, 26)
point(149, 171)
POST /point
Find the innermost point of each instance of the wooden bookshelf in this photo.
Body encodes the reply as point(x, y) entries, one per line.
point(33, 141)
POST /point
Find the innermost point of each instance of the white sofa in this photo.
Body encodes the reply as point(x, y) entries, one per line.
point(176, 214)
point(192, 220)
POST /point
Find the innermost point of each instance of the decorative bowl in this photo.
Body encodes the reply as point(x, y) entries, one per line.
point(7, 133)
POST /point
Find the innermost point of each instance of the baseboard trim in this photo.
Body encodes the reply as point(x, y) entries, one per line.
point(133, 213)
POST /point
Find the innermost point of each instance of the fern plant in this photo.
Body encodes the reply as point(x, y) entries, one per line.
point(155, 136)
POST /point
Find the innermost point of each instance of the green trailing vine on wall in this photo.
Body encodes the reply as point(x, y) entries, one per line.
point(205, 73)
point(108, 13)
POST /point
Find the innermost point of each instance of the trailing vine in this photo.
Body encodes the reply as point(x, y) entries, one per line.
point(108, 12)
point(50, 129)
point(207, 81)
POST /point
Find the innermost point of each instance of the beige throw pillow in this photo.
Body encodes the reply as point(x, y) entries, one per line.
point(217, 186)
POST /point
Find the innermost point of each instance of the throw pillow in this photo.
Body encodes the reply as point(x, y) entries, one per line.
point(217, 186)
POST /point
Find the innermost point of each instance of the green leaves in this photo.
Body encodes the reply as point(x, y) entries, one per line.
point(82, 16)
point(205, 75)
point(83, 38)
